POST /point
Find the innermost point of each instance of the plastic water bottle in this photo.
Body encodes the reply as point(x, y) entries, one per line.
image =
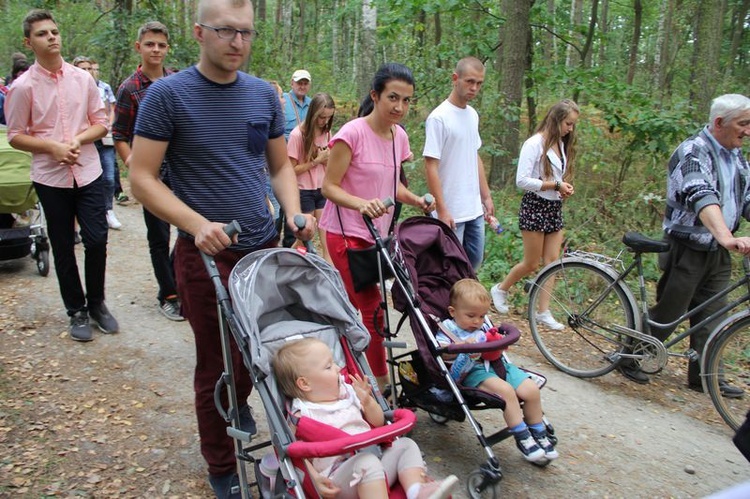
point(494, 224)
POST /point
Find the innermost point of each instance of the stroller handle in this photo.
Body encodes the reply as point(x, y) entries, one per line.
point(300, 222)
point(232, 228)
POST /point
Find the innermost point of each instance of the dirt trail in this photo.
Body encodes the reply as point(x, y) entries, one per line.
point(114, 418)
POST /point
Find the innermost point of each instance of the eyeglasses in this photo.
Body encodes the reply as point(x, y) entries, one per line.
point(227, 33)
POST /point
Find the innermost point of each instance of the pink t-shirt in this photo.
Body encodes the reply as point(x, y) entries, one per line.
point(312, 178)
point(371, 174)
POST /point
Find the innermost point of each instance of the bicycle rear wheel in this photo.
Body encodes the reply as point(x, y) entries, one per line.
point(580, 296)
point(728, 358)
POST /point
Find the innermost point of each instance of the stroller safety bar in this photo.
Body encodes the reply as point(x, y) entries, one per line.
point(511, 335)
point(404, 421)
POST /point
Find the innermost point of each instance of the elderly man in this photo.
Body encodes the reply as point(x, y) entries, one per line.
point(708, 190)
point(297, 101)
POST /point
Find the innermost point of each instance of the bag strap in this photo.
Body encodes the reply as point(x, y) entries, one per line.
point(294, 107)
point(447, 331)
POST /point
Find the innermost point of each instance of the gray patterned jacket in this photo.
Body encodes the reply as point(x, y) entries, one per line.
point(694, 183)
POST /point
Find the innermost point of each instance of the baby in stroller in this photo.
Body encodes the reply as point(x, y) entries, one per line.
point(469, 304)
point(306, 373)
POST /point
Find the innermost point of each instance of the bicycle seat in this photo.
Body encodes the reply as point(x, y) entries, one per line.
point(642, 244)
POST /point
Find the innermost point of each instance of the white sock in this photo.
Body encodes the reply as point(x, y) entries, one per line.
point(413, 491)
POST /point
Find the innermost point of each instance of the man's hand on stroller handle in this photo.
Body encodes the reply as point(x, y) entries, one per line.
point(213, 237)
point(304, 225)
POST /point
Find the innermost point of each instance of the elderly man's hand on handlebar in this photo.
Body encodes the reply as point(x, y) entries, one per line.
point(740, 245)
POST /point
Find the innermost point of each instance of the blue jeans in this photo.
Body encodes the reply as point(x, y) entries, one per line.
point(107, 159)
point(471, 235)
point(61, 207)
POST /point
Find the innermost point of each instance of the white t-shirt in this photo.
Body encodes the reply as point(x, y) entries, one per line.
point(452, 137)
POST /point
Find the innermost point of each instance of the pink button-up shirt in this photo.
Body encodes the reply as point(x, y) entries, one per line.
point(57, 106)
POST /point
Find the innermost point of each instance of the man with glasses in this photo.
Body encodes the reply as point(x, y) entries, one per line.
point(217, 127)
point(152, 46)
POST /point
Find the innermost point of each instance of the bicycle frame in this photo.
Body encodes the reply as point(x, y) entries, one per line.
point(647, 323)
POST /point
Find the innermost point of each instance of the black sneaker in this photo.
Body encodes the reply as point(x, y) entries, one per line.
point(630, 370)
point(79, 329)
point(726, 389)
point(226, 486)
point(544, 442)
point(247, 421)
point(122, 198)
point(170, 308)
point(103, 319)
point(529, 447)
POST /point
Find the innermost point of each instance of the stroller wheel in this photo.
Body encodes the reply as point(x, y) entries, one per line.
point(42, 263)
point(479, 485)
point(439, 419)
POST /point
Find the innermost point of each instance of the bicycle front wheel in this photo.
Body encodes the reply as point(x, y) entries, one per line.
point(583, 298)
point(728, 358)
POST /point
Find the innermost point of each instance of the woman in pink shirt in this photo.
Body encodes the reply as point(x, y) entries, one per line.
point(308, 152)
point(363, 169)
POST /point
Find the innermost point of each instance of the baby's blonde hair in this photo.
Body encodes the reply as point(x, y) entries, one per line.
point(287, 364)
point(468, 290)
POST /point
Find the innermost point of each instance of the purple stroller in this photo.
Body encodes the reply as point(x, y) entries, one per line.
point(427, 259)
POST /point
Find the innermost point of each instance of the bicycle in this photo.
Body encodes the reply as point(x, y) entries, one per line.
point(591, 297)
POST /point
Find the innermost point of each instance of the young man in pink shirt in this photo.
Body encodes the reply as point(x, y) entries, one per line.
point(55, 112)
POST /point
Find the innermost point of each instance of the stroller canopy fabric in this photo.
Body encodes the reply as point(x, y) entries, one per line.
point(280, 294)
point(16, 190)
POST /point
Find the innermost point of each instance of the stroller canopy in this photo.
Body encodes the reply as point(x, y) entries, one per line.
point(434, 259)
point(16, 190)
point(278, 293)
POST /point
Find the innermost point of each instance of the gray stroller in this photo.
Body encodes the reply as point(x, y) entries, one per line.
point(279, 295)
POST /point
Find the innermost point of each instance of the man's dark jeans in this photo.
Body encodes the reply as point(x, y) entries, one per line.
point(157, 233)
point(62, 206)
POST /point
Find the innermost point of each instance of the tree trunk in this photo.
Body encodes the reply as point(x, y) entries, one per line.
point(739, 21)
point(549, 47)
point(260, 11)
point(576, 19)
point(604, 30)
point(662, 46)
point(513, 57)
point(368, 47)
point(586, 50)
point(705, 66)
point(637, 20)
point(335, 42)
point(301, 25)
point(530, 100)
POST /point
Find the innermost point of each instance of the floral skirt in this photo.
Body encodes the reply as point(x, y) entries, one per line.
point(538, 214)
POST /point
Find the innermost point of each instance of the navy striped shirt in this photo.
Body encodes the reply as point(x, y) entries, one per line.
point(217, 138)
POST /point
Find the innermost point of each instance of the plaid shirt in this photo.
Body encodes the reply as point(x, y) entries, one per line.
point(129, 96)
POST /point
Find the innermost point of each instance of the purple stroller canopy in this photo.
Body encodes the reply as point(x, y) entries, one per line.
point(434, 259)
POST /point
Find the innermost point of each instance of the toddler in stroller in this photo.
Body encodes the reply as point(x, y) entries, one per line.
point(468, 308)
point(306, 372)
